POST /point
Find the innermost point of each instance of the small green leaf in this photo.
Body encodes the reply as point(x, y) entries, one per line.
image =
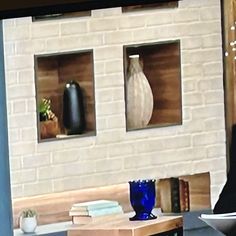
point(28, 213)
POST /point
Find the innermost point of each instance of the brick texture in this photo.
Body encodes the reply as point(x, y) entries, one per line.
point(114, 155)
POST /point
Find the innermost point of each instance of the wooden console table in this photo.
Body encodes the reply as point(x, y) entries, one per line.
point(119, 225)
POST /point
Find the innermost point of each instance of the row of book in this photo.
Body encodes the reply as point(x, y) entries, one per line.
point(86, 212)
point(173, 195)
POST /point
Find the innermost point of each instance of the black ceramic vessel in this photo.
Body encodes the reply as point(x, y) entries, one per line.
point(73, 109)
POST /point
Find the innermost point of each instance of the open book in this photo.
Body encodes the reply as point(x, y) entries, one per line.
point(224, 223)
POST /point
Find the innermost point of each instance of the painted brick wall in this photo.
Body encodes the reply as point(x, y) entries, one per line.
point(115, 156)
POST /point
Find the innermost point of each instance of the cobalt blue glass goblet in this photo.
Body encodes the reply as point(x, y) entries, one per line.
point(142, 198)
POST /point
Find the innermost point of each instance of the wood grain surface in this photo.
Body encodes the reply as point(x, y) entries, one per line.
point(55, 207)
point(162, 67)
point(199, 190)
point(54, 71)
point(120, 225)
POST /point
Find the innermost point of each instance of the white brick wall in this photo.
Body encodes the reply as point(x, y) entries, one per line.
point(114, 155)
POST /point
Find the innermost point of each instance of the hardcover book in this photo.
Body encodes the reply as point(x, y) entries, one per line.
point(97, 212)
point(173, 195)
point(168, 194)
point(93, 205)
point(184, 195)
point(89, 219)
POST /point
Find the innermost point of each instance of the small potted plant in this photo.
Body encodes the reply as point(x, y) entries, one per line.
point(48, 120)
point(28, 220)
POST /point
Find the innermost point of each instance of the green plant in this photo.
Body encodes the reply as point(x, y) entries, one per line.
point(44, 108)
point(44, 105)
point(28, 213)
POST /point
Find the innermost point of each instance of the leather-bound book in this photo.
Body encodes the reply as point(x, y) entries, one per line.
point(168, 194)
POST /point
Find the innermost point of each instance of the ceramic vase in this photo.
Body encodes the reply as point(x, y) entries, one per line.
point(139, 96)
point(73, 109)
point(142, 198)
point(28, 224)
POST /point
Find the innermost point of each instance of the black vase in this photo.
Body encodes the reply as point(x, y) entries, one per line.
point(73, 109)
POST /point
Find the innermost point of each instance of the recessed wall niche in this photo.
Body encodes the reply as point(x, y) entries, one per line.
point(52, 73)
point(161, 64)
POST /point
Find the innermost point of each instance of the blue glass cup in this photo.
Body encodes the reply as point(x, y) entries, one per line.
point(142, 198)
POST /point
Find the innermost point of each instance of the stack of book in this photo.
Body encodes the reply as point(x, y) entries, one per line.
point(86, 212)
point(173, 195)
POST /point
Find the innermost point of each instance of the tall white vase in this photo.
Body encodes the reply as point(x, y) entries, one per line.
point(139, 96)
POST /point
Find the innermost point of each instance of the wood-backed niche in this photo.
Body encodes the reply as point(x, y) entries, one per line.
point(52, 72)
point(161, 64)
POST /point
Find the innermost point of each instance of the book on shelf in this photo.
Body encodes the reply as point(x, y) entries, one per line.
point(97, 212)
point(89, 219)
point(168, 194)
point(93, 205)
point(173, 195)
point(224, 223)
point(184, 195)
point(82, 219)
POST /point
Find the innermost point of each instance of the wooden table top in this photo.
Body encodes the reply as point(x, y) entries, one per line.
point(120, 225)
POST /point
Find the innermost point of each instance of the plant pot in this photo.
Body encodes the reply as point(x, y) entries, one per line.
point(49, 129)
point(28, 224)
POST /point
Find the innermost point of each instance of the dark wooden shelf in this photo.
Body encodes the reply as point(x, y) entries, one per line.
point(159, 5)
point(53, 71)
point(58, 16)
point(64, 136)
point(162, 66)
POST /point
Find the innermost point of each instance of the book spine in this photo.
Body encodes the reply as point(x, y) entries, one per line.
point(97, 212)
point(106, 211)
point(182, 195)
point(104, 205)
point(81, 220)
point(164, 194)
point(175, 201)
point(186, 196)
point(95, 206)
